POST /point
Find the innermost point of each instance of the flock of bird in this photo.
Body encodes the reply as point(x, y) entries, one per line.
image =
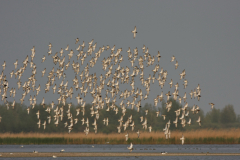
point(85, 83)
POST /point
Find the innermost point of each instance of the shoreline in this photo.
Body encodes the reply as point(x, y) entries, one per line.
point(98, 154)
point(76, 154)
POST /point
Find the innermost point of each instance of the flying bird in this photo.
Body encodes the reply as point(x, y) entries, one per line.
point(130, 147)
point(182, 139)
point(212, 105)
point(134, 32)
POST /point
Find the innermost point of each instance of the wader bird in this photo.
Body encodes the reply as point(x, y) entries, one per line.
point(117, 84)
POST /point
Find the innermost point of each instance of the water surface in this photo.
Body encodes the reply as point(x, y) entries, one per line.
point(123, 148)
point(135, 158)
point(203, 148)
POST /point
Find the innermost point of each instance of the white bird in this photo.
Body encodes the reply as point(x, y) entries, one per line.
point(38, 113)
point(44, 58)
point(164, 116)
point(141, 119)
point(134, 32)
point(28, 110)
point(4, 65)
point(173, 58)
point(65, 124)
point(171, 83)
point(138, 133)
point(77, 40)
point(212, 105)
point(15, 64)
point(176, 121)
point(126, 136)
point(182, 139)
point(158, 113)
point(146, 111)
point(199, 121)
point(44, 125)
point(39, 123)
point(67, 48)
point(49, 119)
point(176, 65)
point(130, 147)
point(150, 128)
point(189, 122)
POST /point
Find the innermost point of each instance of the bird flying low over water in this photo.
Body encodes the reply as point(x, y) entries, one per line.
point(130, 147)
point(182, 139)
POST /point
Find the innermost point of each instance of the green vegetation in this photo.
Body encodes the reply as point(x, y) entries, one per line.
point(19, 127)
point(17, 120)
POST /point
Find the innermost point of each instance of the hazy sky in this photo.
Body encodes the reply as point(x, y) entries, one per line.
point(204, 36)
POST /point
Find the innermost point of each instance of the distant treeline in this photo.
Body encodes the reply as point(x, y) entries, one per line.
point(17, 119)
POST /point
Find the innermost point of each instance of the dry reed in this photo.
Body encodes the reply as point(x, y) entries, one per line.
point(201, 133)
point(201, 136)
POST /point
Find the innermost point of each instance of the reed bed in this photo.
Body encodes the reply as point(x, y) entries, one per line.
point(202, 136)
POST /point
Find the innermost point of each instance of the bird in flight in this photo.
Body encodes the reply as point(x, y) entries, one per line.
point(182, 139)
point(134, 32)
point(130, 147)
point(212, 105)
point(93, 88)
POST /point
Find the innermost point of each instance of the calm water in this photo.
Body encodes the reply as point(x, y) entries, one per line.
point(123, 148)
point(135, 158)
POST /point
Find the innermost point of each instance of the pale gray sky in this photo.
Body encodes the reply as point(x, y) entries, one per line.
point(204, 37)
